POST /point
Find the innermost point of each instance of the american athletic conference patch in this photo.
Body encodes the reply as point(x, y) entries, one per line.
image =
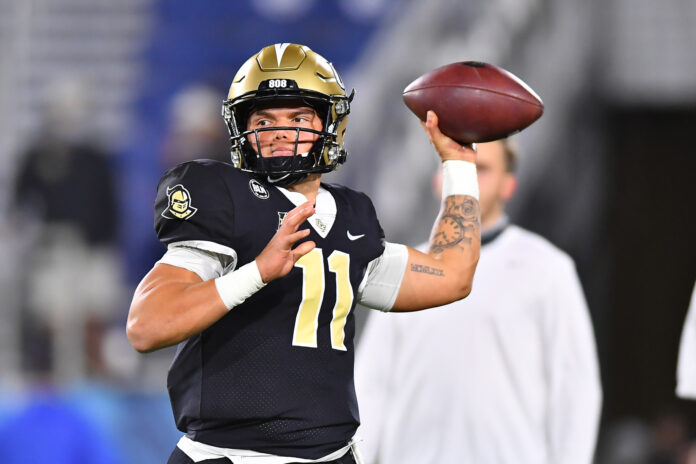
point(179, 206)
point(258, 189)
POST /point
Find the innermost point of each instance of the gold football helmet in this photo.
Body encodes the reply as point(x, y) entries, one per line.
point(292, 73)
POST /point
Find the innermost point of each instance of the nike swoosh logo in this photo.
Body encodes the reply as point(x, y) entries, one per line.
point(354, 237)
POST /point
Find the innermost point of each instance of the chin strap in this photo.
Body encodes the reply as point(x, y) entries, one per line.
point(302, 162)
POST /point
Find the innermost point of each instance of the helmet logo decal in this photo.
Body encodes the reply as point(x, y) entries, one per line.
point(258, 189)
point(179, 206)
point(280, 51)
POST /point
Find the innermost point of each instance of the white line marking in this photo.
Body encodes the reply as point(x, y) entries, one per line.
point(280, 51)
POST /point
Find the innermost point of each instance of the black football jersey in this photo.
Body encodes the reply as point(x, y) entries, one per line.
point(275, 374)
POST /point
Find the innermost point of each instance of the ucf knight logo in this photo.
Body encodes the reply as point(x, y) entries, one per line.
point(179, 206)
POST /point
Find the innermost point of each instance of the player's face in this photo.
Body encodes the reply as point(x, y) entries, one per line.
point(282, 142)
point(496, 184)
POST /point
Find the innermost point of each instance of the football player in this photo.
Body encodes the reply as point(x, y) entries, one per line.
point(265, 264)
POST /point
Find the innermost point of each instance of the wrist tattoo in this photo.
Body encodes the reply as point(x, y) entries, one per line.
point(427, 270)
point(458, 225)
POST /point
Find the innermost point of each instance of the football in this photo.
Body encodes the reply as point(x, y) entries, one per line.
point(474, 101)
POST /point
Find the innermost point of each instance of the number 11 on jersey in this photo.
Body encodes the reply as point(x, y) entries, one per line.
point(307, 320)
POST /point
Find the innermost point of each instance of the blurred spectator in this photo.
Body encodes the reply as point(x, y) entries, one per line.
point(64, 194)
point(507, 375)
point(196, 129)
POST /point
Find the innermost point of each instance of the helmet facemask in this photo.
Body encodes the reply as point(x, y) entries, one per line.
point(324, 155)
point(327, 151)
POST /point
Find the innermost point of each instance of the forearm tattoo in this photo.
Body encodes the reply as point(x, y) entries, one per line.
point(458, 225)
point(427, 270)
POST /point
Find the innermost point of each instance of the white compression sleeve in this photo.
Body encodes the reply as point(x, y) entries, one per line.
point(383, 277)
point(204, 263)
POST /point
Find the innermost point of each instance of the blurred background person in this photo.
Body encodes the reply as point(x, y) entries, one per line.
point(64, 208)
point(509, 376)
point(195, 129)
point(65, 193)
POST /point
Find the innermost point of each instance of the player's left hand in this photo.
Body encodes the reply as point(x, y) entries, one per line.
point(447, 148)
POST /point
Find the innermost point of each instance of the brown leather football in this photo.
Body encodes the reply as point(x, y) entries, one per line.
point(474, 101)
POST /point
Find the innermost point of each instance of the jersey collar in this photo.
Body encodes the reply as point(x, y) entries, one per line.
point(325, 209)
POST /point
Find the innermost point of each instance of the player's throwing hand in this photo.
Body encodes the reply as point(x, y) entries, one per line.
point(447, 148)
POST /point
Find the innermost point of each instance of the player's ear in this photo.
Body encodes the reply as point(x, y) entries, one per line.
point(509, 186)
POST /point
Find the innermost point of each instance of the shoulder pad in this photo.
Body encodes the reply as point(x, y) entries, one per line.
point(193, 203)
